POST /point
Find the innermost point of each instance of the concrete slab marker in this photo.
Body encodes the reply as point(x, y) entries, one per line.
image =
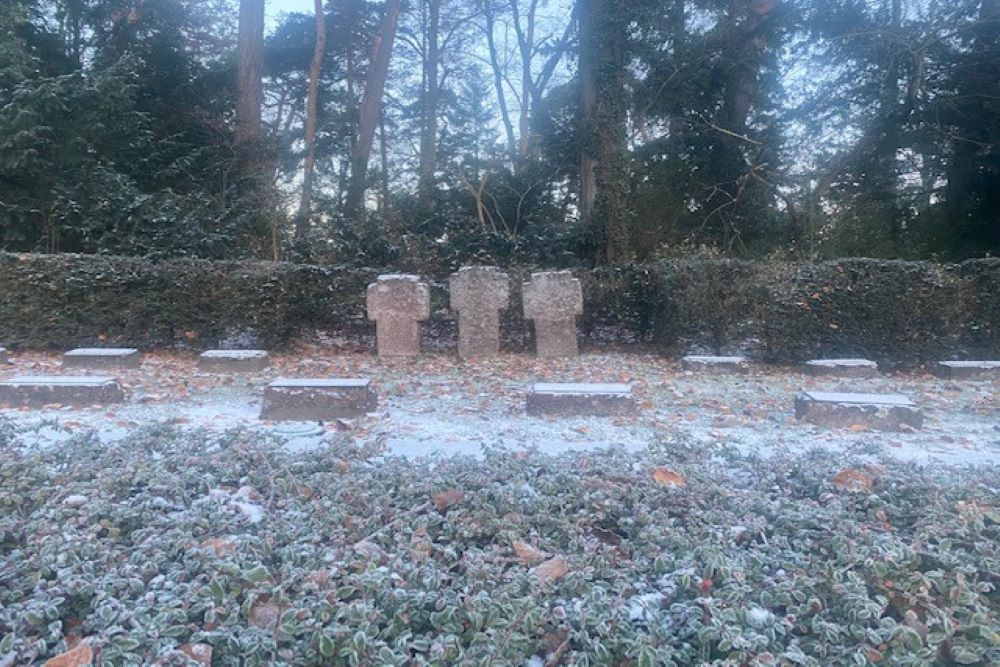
point(102, 357)
point(968, 370)
point(711, 364)
point(579, 399)
point(845, 368)
point(880, 412)
point(318, 399)
point(37, 391)
point(233, 361)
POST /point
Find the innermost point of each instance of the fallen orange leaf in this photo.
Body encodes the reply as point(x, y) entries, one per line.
point(669, 478)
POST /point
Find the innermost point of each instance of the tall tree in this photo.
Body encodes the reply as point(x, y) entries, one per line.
point(309, 165)
point(250, 71)
point(429, 102)
point(371, 102)
point(604, 104)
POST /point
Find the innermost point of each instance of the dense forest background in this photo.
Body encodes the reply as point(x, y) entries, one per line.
point(426, 133)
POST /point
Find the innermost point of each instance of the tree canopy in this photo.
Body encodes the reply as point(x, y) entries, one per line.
point(426, 133)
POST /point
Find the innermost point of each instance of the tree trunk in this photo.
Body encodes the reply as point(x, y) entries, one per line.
point(371, 101)
point(588, 98)
point(526, 45)
point(508, 126)
point(309, 166)
point(429, 120)
point(383, 147)
point(604, 37)
point(250, 93)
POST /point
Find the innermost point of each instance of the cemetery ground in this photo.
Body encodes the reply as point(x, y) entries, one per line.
point(449, 528)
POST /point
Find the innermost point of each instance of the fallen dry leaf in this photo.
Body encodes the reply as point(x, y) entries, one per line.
point(77, 657)
point(552, 569)
point(446, 499)
point(222, 546)
point(527, 554)
point(265, 615)
point(669, 478)
point(369, 549)
point(853, 481)
point(200, 653)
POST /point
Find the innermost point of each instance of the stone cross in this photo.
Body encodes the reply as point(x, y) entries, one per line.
point(479, 293)
point(553, 299)
point(398, 303)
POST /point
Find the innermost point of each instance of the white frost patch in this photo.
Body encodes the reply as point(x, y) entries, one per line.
point(253, 513)
point(646, 607)
point(75, 500)
point(759, 618)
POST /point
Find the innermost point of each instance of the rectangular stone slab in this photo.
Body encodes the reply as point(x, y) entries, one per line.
point(966, 370)
point(845, 368)
point(36, 391)
point(710, 364)
point(579, 399)
point(318, 399)
point(102, 357)
point(233, 361)
point(882, 412)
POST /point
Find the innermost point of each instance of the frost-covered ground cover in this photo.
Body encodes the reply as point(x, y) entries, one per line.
point(450, 528)
point(170, 543)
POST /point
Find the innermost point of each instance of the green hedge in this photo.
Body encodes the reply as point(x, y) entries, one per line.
point(68, 300)
point(892, 311)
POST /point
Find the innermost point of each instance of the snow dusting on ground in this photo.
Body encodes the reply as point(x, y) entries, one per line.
point(439, 404)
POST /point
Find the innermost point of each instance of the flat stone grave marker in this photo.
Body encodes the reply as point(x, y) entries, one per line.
point(552, 300)
point(37, 391)
point(968, 370)
point(233, 361)
point(881, 412)
point(845, 368)
point(318, 399)
point(479, 293)
point(397, 303)
point(710, 364)
point(102, 357)
point(578, 399)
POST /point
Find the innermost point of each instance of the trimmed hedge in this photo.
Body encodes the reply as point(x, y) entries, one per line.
point(69, 300)
point(891, 311)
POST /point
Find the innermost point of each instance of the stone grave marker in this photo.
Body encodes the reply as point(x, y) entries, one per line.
point(968, 370)
point(36, 391)
point(4, 358)
point(397, 303)
point(881, 412)
point(845, 368)
point(318, 399)
point(102, 357)
point(710, 364)
point(233, 361)
point(552, 300)
point(578, 399)
point(479, 293)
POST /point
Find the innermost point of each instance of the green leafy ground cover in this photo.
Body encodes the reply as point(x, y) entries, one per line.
point(339, 556)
